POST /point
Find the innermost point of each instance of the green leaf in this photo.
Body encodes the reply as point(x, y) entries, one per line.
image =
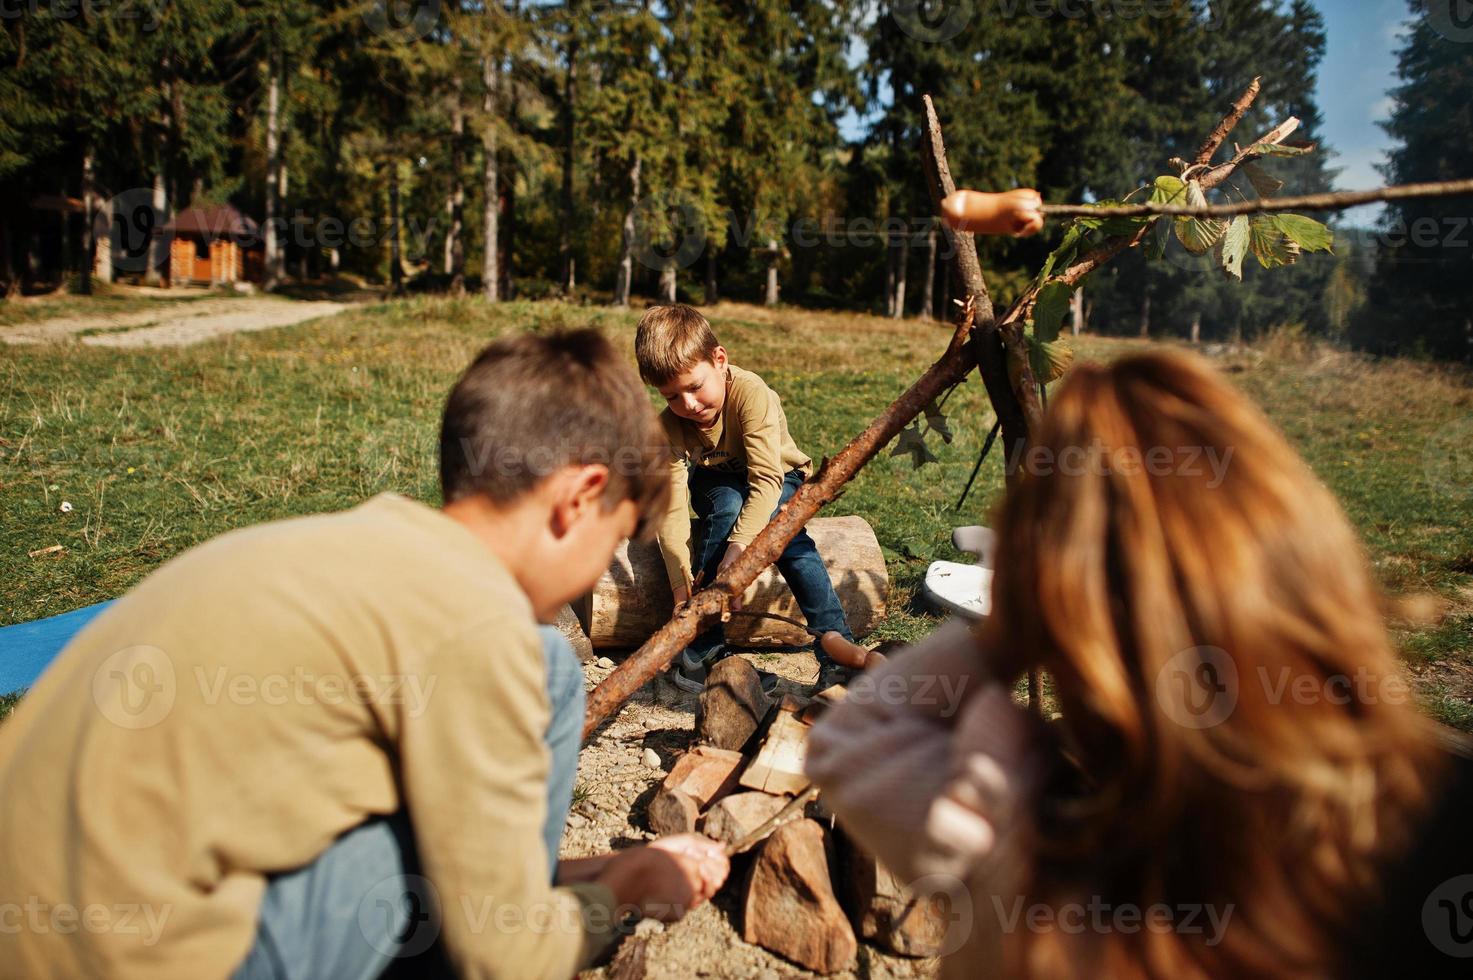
point(1064, 254)
point(1050, 309)
point(1049, 360)
point(1265, 183)
point(1269, 245)
point(1234, 246)
point(1307, 233)
point(1112, 225)
point(1168, 190)
point(1156, 241)
point(1197, 235)
point(912, 442)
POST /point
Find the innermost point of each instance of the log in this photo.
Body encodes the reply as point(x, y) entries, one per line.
point(632, 600)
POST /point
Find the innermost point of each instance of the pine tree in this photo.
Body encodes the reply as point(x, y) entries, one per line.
point(1421, 296)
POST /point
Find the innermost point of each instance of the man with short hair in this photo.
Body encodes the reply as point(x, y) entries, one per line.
point(308, 748)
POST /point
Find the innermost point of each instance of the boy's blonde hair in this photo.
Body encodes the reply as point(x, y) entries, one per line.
point(670, 340)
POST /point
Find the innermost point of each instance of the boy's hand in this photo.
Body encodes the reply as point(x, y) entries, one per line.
point(682, 595)
point(669, 877)
point(733, 552)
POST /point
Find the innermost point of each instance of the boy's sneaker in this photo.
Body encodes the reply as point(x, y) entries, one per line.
point(690, 672)
point(832, 674)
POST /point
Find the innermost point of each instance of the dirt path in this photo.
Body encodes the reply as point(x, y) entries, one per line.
point(190, 324)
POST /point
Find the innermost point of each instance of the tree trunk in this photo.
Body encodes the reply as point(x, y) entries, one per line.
point(668, 281)
point(334, 259)
point(157, 249)
point(890, 252)
point(1146, 316)
point(508, 229)
point(490, 259)
point(928, 283)
point(1076, 307)
point(396, 269)
point(102, 225)
point(626, 254)
point(1196, 328)
point(89, 244)
point(713, 295)
point(455, 200)
point(901, 264)
point(273, 168)
point(773, 254)
point(565, 234)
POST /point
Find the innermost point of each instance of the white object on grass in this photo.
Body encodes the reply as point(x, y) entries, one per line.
point(965, 590)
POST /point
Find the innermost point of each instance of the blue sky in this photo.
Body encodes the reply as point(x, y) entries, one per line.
point(1358, 69)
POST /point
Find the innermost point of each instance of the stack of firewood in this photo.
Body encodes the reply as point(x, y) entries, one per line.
point(806, 892)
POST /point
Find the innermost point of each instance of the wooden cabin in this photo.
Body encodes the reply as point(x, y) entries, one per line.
point(215, 245)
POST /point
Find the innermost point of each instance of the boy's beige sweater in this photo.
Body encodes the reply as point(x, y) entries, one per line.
point(750, 436)
point(255, 698)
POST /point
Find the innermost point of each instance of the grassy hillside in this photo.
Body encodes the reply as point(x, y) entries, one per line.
point(157, 450)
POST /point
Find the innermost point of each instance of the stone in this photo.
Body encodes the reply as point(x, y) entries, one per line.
point(732, 705)
point(736, 816)
point(604, 663)
point(568, 625)
point(880, 901)
point(790, 906)
point(652, 759)
point(672, 812)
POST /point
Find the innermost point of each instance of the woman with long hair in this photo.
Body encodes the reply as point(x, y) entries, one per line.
point(1235, 763)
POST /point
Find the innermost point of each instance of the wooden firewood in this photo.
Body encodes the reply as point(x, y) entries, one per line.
point(778, 767)
point(633, 599)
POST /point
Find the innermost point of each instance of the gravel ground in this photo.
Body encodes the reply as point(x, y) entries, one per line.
point(616, 784)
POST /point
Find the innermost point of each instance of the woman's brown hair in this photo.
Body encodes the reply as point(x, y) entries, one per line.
point(1235, 732)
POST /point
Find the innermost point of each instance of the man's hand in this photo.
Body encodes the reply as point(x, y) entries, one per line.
point(668, 877)
point(733, 552)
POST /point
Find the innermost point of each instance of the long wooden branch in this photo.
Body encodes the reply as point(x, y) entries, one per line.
point(1013, 394)
point(1334, 201)
point(1227, 125)
point(710, 603)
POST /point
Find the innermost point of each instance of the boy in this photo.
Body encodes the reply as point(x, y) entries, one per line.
point(731, 457)
point(310, 747)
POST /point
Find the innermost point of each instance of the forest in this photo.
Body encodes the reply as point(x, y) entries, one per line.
point(767, 151)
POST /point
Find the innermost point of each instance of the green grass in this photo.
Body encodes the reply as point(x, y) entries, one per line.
point(158, 450)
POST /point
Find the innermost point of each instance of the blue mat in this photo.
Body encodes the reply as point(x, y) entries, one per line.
point(26, 648)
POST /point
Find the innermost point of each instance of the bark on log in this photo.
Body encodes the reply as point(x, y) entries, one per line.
point(632, 600)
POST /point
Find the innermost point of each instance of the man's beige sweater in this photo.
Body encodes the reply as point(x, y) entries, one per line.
point(749, 437)
point(252, 700)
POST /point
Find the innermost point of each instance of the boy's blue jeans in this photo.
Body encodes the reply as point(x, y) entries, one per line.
point(362, 904)
point(718, 499)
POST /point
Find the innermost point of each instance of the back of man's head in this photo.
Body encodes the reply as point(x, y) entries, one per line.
point(530, 404)
point(671, 340)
